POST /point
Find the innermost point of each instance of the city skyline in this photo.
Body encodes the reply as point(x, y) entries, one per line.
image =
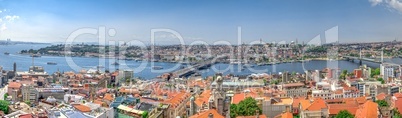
point(272, 21)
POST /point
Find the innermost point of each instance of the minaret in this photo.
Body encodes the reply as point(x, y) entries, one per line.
point(382, 55)
point(15, 67)
point(192, 106)
point(33, 63)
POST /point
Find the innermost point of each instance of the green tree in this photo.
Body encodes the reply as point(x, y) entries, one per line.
point(247, 107)
point(381, 80)
point(343, 74)
point(5, 96)
point(233, 109)
point(396, 113)
point(382, 103)
point(4, 106)
point(375, 72)
point(28, 102)
point(344, 114)
point(145, 114)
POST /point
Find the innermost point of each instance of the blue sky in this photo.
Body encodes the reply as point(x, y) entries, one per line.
point(204, 20)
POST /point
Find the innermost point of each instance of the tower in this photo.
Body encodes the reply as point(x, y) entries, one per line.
point(192, 106)
point(15, 67)
point(382, 55)
point(360, 58)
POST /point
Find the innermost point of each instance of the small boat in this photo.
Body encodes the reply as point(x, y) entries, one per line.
point(6, 53)
point(51, 63)
point(115, 63)
point(235, 62)
point(157, 67)
point(248, 65)
point(35, 55)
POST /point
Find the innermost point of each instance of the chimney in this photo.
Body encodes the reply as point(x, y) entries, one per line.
point(210, 115)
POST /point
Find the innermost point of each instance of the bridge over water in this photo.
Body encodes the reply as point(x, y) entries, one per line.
point(194, 68)
point(351, 58)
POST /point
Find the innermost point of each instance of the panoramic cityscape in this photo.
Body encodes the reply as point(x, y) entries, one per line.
point(200, 59)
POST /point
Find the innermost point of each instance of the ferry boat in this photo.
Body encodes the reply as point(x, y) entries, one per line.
point(51, 63)
point(157, 67)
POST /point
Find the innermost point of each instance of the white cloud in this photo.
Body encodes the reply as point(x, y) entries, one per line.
point(375, 2)
point(3, 27)
point(11, 18)
point(393, 4)
point(396, 4)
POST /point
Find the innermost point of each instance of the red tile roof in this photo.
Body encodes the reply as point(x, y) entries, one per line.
point(203, 98)
point(237, 98)
point(381, 96)
point(206, 113)
point(296, 101)
point(25, 116)
point(178, 99)
point(108, 97)
point(335, 108)
point(82, 108)
point(285, 115)
point(367, 110)
point(398, 95)
point(16, 85)
point(260, 116)
point(293, 85)
point(317, 105)
point(305, 104)
point(398, 102)
point(361, 100)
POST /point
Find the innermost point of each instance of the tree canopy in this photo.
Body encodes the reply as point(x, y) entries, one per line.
point(382, 103)
point(4, 106)
point(233, 108)
point(344, 114)
point(375, 72)
point(145, 114)
point(343, 74)
point(381, 80)
point(5, 96)
point(396, 113)
point(246, 107)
